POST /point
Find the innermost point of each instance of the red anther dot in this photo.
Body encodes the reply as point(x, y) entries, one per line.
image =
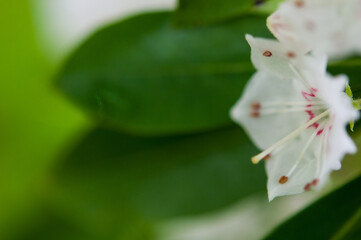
point(315, 182)
point(267, 54)
point(255, 114)
point(267, 157)
point(256, 106)
point(299, 3)
point(308, 187)
point(283, 180)
point(291, 54)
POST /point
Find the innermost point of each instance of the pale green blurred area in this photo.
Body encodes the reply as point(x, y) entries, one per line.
point(36, 123)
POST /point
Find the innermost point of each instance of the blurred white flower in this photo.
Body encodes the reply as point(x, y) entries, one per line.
point(297, 112)
point(330, 26)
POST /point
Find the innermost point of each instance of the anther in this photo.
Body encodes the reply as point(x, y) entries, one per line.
point(256, 106)
point(255, 114)
point(283, 180)
point(315, 182)
point(308, 187)
point(267, 54)
point(291, 55)
point(299, 3)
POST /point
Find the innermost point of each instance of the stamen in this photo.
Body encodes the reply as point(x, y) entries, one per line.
point(285, 110)
point(307, 145)
point(300, 77)
point(290, 103)
point(267, 157)
point(256, 159)
point(322, 154)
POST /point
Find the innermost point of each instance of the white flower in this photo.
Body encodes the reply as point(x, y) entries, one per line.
point(294, 111)
point(330, 26)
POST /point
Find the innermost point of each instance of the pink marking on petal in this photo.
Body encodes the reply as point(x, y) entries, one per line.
point(311, 114)
point(277, 16)
point(310, 25)
point(306, 95)
point(320, 132)
point(276, 27)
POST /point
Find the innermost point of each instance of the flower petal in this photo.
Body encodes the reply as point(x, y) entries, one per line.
point(271, 56)
point(327, 26)
point(304, 156)
point(265, 88)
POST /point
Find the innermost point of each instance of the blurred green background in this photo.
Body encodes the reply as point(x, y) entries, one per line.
point(37, 123)
point(67, 174)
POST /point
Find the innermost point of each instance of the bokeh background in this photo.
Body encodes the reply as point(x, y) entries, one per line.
point(62, 176)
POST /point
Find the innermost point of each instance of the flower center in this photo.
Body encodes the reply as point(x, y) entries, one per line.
point(256, 159)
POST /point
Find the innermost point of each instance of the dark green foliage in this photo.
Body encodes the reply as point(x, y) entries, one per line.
point(144, 76)
point(200, 12)
point(162, 177)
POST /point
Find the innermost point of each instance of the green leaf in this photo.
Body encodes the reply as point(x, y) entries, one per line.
point(202, 12)
point(52, 223)
point(157, 178)
point(144, 76)
point(336, 216)
point(268, 7)
point(352, 68)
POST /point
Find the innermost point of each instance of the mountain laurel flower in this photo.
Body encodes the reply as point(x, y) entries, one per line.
point(330, 26)
point(296, 112)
